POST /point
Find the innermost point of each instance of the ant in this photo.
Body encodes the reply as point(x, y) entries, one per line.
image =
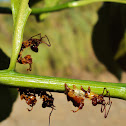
point(47, 101)
point(98, 99)
point(30, 98)
point(76, 96)
point(33, 43)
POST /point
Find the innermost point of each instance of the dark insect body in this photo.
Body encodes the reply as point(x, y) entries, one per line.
point(76, 96)
point(33, 43)
point(29, 95)
point(99, 99)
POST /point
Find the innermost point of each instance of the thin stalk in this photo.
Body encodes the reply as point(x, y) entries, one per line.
point(19, 24)
point(71, 5)
point(11, 78)
point(7, 10)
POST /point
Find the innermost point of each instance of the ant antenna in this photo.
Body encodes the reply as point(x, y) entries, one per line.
point(45, 42)
point(51, 113)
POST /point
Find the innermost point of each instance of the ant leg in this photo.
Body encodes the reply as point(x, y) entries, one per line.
point(74, 87)
point(109, 99)
point(80, 107)
point(30, 109)
point(105, 115)
point(107, 92)
point(102, 109)
point(22, 96)
point(66, 87)
point(30, 68)
point(36, 35)
point(50, 115)
point(50, 93)
point(89, 89)
point(83, 89)
point(41, 39)
point(45, 42)
point(108, 109)
point(75, 111)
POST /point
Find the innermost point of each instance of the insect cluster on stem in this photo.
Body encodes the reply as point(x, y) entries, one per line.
point(33, 43)
point(77, 97)
point(29, 95)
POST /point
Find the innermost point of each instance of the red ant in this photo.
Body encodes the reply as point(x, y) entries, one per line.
point(76, 96)
point(47, 101)
point(98, 99)
point(30, 98)
point(33, 43)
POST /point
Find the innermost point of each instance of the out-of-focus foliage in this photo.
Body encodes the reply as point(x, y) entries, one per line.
point(33, 2)
point(47, 3)
point(109, 35)
point(7, 95)
point(70, 35)
point(4, 60)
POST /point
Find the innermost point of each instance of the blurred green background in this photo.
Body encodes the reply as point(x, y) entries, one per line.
point(69, 32)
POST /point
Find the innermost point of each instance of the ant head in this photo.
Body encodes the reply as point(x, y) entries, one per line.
point(34, 48)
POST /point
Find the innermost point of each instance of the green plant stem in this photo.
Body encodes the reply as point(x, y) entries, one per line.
point(20, 17)
point(11, 78)
point(71, 5)
point(61, 6)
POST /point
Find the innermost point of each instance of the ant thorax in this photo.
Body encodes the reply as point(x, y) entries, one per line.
point(91, 95)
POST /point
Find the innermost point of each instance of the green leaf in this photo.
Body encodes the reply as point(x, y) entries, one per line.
point(4, 60)
point(7, 95)
point(7, 98)
point(122, 48)
point(107, 35)
point(48, 3)
point(120, 56)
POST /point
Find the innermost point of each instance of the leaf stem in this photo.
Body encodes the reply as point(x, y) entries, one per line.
point(7, 10)
point(56, 84)
point(71, 5)
point(20, 19)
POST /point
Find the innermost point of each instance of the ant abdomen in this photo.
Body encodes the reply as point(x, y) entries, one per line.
point(44, 105)
point(34, 48)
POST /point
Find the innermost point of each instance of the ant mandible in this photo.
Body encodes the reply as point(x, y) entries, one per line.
point(76, 96)
point(33, 43)
point(98, 99)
